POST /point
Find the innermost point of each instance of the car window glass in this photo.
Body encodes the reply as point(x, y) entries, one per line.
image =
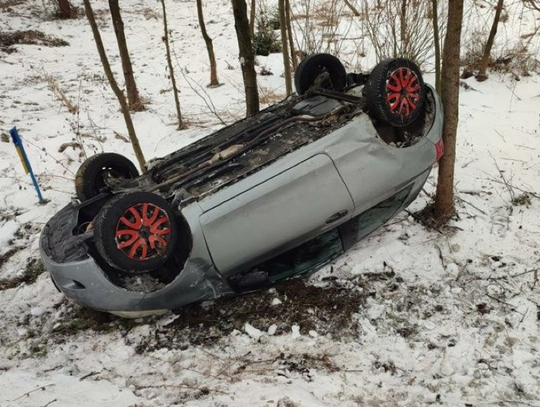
point(378, 215)
point(305, 258)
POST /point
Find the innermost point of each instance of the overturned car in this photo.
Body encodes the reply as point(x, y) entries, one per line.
point(275, 195)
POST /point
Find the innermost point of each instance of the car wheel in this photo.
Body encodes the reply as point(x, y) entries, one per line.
point(135, 232)
point(323, 70)
point(395, 92)
point(100, 172)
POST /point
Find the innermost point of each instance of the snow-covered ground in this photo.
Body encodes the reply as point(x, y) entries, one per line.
point(409, 317)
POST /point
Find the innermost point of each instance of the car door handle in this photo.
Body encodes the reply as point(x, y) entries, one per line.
point(337, 216)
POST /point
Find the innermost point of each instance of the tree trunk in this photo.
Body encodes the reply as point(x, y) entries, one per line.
point(66, 11)
point(285, 47)
point(489, 44)
point(290, 31)
point(403, 27)
point(444, 200)
point(134, 99)
point(247, 61)
point(437, 42)
point(252, 18)
point(352, 8)
point(114, 85)
point(171, 68)
point(209, 46)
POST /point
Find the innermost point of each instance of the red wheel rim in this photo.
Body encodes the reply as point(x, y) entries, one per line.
point(143, 232)
point(403, 91)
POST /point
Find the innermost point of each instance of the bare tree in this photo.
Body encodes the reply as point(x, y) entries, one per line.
point(134, 99)
point(114, 85)
point(65, 9)
point(444, 200)
point(489, 44)
point(247, 60)
point(532, 4)
point(320, 28)
point(397, 28)
point(285, 47)
point(352, 8)
point(209, 46)
point(252, 18)
point(436, 40)
point(290, 35)
point(171, 68)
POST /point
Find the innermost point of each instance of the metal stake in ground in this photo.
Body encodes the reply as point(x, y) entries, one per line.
point(24, 160)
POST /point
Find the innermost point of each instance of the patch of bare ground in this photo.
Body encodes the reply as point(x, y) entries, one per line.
point(7, 4)
point(328, 310)
point(80, 319)
point(28, 37)
point(430, 220)
point(7, 255)
point(33, 269)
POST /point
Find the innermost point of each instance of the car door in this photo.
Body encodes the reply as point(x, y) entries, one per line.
point(276, 214)
point(373, 170)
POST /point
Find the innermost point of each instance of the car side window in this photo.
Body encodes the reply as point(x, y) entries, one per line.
point(368, 221)
point(306, 258)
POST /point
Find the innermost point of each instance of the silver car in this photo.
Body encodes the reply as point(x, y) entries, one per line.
point(275, 195)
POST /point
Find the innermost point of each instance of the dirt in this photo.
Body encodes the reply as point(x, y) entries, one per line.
point(29, 37)
point(79, 319)
point(7, 4)
point(7, 255)
point(33, 269)
point(432, 221)
point(327, 311)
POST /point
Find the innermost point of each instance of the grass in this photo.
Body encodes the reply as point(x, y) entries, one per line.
point(269, 96)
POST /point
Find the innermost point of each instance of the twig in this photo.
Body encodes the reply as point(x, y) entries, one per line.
point(208, 102)
point(504, 302)
point(47, 154)
point(496, 131)
point(525, 272)
point(421, 221)
point(508, 186)
point(508, 276)
point(514, 402)
point(185, 386)
point(534, 194)
point(475, 207)
point(513, 159)
point(523, 317)
point(50, 402)
point(88, 375)
point(524, 146)
point(441, 256)
point(32, 391)
point(210, 354)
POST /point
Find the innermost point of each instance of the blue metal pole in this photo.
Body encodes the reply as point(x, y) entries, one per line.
point(24, 160)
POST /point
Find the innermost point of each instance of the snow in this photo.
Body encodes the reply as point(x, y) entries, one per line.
point(450, 318)
point(62, 390)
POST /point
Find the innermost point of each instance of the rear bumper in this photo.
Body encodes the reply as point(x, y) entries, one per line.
point(84, 282)
point(77, 274)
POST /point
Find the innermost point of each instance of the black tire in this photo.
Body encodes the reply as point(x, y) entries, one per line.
point(135, 232)
point(395, 92)
point(96, 173)
point(310, 69)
